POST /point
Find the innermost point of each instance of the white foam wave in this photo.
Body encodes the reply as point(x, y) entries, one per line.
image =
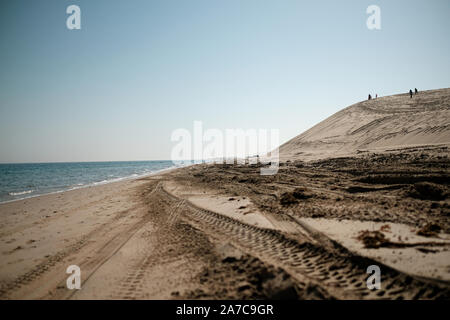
point(20, 193)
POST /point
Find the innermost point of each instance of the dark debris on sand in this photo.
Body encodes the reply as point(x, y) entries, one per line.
point(427, 191)
point(408, 186)
point(292, 197)
point(429, 230)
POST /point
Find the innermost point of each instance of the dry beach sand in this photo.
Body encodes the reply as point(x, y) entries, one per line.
point(369, 185)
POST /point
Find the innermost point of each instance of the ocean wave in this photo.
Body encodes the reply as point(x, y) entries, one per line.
point(20, 193)
point(57, 186)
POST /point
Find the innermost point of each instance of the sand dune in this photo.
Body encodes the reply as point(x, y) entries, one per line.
point(379, 124)
point(222, 231)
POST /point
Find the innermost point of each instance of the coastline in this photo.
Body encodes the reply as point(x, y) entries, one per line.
point(44, 229)
point(41, 236)
point(196, 232)
point(222, 231)
point(95, 184)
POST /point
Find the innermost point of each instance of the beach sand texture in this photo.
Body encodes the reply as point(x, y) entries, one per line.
point(369, 185)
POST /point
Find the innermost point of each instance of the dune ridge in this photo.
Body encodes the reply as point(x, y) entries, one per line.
point(396, 121)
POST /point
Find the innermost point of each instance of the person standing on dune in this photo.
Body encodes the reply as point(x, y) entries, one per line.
point(416, 91)
point(370, 97)
point(410, 93)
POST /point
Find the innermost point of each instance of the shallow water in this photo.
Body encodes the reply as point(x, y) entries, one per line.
point(18, 181)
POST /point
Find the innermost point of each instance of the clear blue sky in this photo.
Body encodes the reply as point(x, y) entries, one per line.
point(137, 70)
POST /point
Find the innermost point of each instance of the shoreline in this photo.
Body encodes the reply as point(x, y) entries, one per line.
point(93, 184)
point(64, 228)
point(198, 232)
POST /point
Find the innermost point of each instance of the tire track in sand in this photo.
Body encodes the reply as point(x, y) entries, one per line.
point(341, 273)
point(88, 265)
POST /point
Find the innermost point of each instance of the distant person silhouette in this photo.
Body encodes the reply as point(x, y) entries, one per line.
point(370, 97)
point(376, 95)
point(416, 91)
point(410, 93)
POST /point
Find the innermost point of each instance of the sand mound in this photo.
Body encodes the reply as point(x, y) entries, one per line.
point(384, 123)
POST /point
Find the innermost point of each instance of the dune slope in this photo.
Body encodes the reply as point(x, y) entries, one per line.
point(396, 121)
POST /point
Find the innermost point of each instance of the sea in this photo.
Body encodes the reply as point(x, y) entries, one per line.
point(24, 180)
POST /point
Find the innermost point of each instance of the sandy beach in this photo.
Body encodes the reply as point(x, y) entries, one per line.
point(215, 231)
